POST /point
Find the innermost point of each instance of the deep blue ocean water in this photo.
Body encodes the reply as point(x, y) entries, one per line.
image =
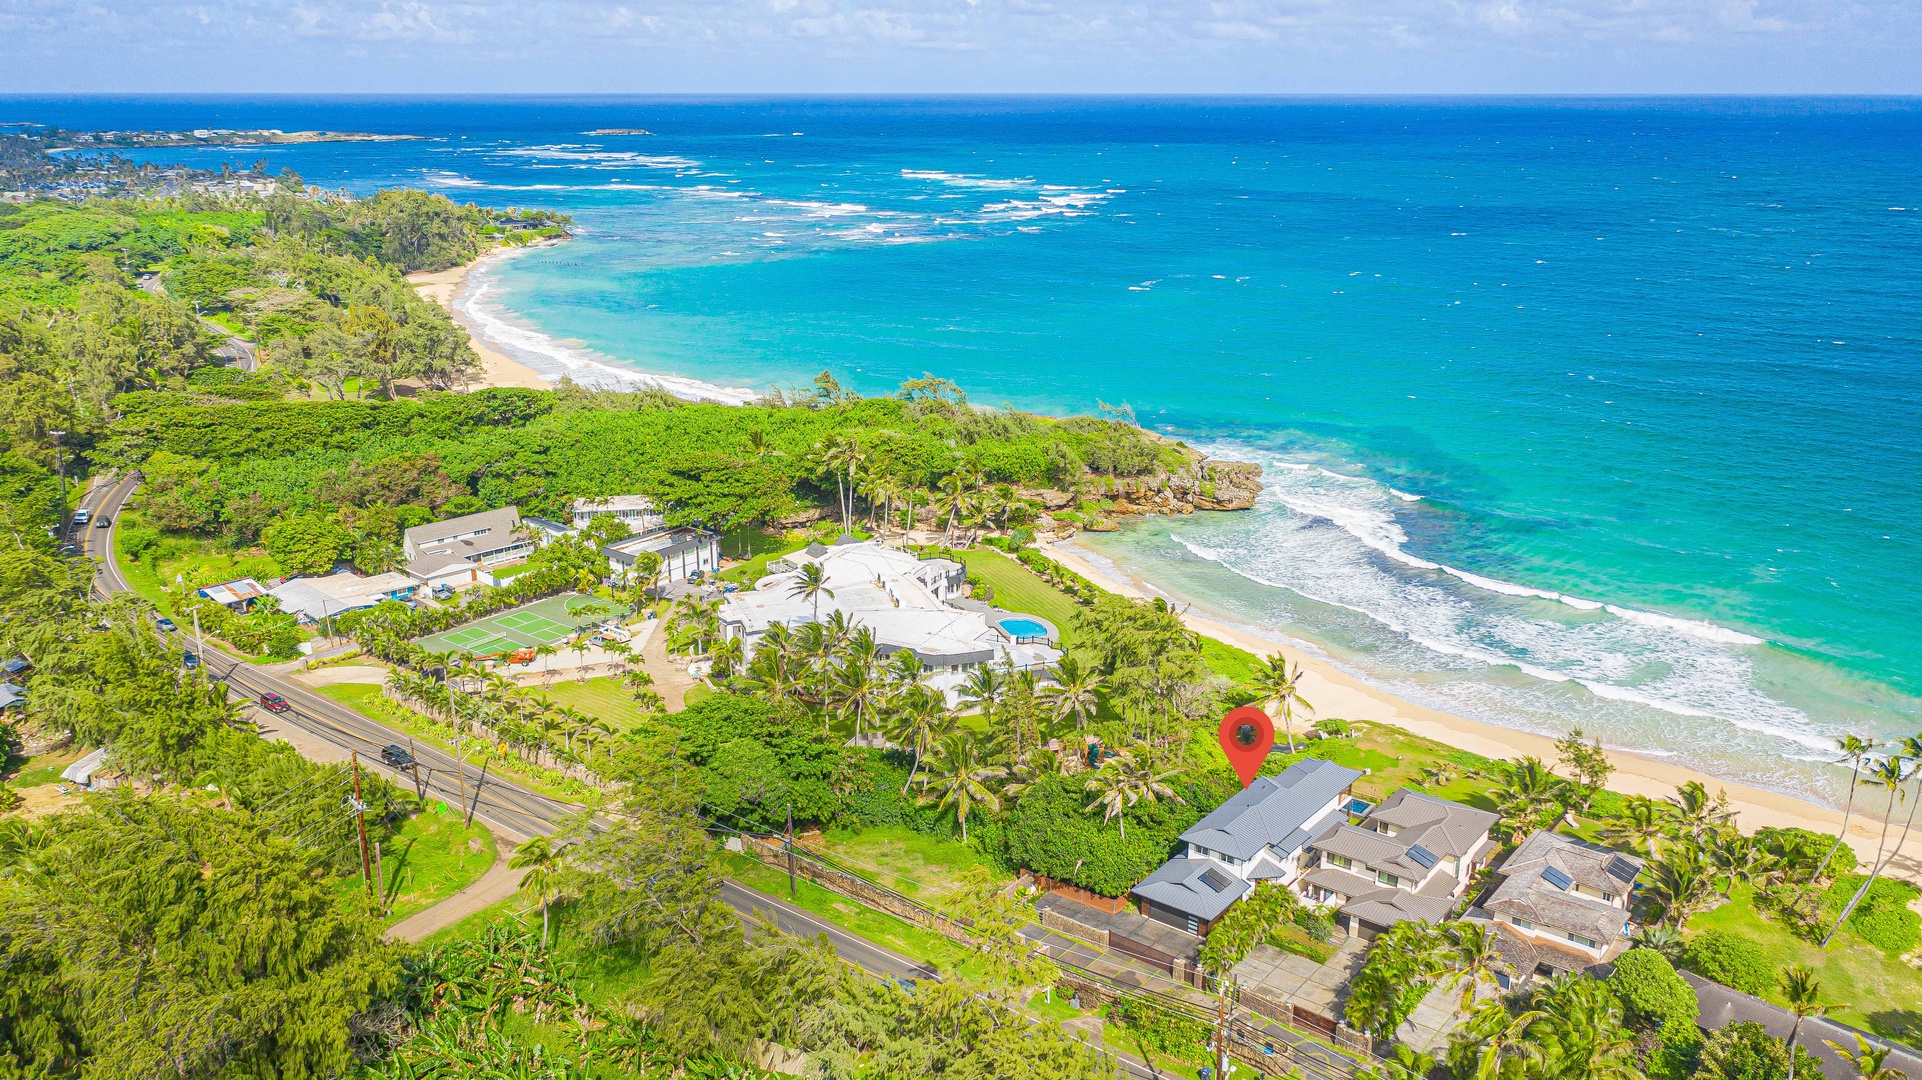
point(1573, 412)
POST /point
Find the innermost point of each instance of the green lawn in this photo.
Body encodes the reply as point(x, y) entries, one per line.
point(41, 769)
point(602, 697)
point(1016, 588)
point(432, 857)
point(913, 864)
point(945, 955)
point(760, 548)
point(1397, 759)
point(1884, 995)
point(696, 693)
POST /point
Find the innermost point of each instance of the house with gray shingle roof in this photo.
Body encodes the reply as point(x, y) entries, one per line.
point(1567, 891)
point(1257, 835)
point(1409, 859)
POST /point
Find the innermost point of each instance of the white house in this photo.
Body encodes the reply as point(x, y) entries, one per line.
point(684, 551)
point(1411, 858)
point(485, 539)
point(637, 510)
point(1257, 835)
point(1565, 892)
point(315, 599)
point(907, 603)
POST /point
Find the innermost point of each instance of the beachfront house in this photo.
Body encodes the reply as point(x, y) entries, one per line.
point(907, 603)
point(1410, 858)
point(488, 538)
point(637, 511)
point(685, 552)
point(1567, 901)
point(1257, 835)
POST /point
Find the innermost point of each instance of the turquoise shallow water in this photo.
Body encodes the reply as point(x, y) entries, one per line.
point(1572, 412)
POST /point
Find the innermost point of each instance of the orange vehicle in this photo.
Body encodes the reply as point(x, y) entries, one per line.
point(521, 656)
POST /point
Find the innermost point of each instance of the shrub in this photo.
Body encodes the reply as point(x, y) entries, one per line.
point(1165, 1031)
point(1334, 727)
point(1051, 832)
point(1732, 960)
point(1893, 929)
point(1746, 1051)
point(1650, 991)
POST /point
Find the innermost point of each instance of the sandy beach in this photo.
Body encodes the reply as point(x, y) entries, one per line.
point(1336, 693)
point(497, 369)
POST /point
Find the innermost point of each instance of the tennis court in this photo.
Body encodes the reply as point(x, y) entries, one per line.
point(544, 622)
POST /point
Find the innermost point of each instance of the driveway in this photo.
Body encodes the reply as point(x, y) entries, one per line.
point(1287, 979)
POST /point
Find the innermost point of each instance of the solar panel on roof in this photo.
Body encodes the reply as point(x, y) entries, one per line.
point(1556, 877)
point(1423, 856)
point(1214, 879)
point(1621, 869)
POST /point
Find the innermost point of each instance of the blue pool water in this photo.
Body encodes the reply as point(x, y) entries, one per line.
point(1572, 412)
point(1023, 628)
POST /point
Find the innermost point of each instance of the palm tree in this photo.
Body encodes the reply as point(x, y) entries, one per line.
point(1643, 821)
point(959, 779)
point(1666, 940)
point(1530, 789)
point(1869, 1061)
point(1855, 750)
point(1911, 749)
point(1888, 774)
point(983, 689)
point(1128, 778)
point(857, 691)
point(812, 584)
point(544, 864)
point(955, 499)
point(1474, 958)
point(921, 719)
point(1679, 884)
point(1737, 856)
point(1800, 987)
point(1029, 771)
point(842, 456)
point(1075, 691)
point(1279, 691)
point(1695, 812)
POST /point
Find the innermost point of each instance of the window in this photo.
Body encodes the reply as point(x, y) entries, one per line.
point(1342, 861)
point(1580, 940)
point(1524, 924)
point(1386, 878)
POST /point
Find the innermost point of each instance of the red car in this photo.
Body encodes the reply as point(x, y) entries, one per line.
point(273, 703)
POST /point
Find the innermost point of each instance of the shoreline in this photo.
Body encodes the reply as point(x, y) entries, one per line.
point(1337, 693)
point(497, 368)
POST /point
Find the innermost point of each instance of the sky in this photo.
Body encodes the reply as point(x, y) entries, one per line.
point(963, 46)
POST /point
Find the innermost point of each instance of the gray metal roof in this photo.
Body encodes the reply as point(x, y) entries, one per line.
point(1197, 887)
point(498, 526)
point(1268, 810)
point(1722, 1006)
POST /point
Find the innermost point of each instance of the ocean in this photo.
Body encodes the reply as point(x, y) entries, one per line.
point(1599, 413)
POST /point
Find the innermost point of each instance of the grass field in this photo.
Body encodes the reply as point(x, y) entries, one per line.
point(1884, 995)
point(431, 858)
point(760, 549)
point(367, 700)
point(544, 622)
point(924, 867)
point(602, 697)
point(39, 770)
point(1016, 588)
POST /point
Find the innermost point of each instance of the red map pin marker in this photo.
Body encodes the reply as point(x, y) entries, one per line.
point(1246, 736)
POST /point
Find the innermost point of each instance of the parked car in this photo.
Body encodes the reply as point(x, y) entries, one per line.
point(274, 703)
point(443, 592)
point(165, 624)
point(102, 522)
point(82, 516)
point(395, 756)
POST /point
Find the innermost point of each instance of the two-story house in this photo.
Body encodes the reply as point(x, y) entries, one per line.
point(1567, 893)
point(1410, 858)
point(1257, 835)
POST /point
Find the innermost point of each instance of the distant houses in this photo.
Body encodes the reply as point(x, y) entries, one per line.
point(685, 552)
point(637, 511)
point(316, 599)
point(488, 538)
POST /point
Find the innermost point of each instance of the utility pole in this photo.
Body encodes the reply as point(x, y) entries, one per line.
point(460, 760)
point(791, 887)
point(200, 647)
point(360, 820)
point(60, 464)
point(418, 789)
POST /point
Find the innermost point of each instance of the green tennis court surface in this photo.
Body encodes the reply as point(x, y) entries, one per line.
point(544, 622)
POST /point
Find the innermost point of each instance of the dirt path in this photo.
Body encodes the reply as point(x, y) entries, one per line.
point(671, 679)
point(496, 885)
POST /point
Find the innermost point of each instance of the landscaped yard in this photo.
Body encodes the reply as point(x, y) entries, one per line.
point(432, 857)
point(366, 699)
point(602, 697)
point(1016, 588)
point(760, 549)
point(926, 868)
point(1884, 995)
point(1397, 759)
point(40, 769)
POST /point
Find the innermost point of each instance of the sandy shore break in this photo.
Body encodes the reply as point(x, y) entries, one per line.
point(1336, 693)
point(497, 369)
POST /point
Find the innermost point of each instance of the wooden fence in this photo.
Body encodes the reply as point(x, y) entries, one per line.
point(1112, 905)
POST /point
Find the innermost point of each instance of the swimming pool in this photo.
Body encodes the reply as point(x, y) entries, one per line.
point(1024, 628)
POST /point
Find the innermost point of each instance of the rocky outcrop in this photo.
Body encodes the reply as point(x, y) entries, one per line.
point(1199, 484)
point(1227, 485)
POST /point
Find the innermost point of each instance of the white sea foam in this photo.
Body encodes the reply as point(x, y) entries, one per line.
point(964, 180)
point(1334, 538)
point(551, 359)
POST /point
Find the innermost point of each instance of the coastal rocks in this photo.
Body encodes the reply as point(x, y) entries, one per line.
point(801, 518)
point(1226, 485)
